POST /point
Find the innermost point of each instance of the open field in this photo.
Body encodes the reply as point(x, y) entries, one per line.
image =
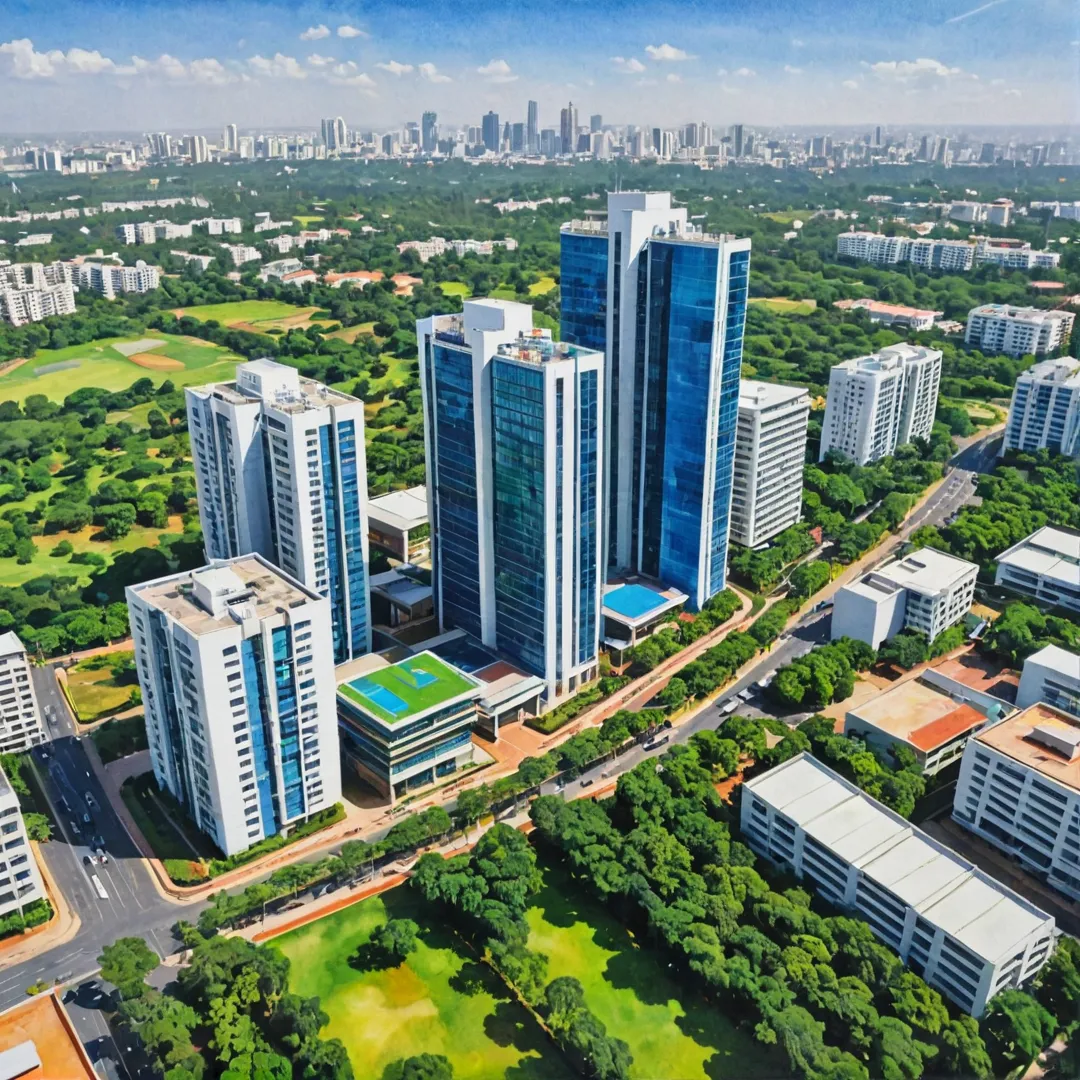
point(783, 306)
point(305, 221)
point(94, 690)
point(351, 333)
point(786, 217)
point(671, 1031)
point(455, 288)
point(57, 372)
point(543, 286)
point(257, 316)
point(441, 1000)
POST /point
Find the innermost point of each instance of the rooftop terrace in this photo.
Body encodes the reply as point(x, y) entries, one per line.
point(1023, 737)
point(407, 689)
point(539, 348)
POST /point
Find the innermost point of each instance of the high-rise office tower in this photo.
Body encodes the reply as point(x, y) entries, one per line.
point(987, 154)
point(20, 721)
point(673, 317)
point(514, 448)
point(879, 402)
point(412, 134)
point(532, 129)
point(230, 141)
point(770, 446)
point(195, 148)
point(236, 669)
point(334, 134)
point(429, 124)
point(877, 135)
point(517, 138)
point(737, 140)
point(568, 129)
point(549, 142)
point(507, 135)
point(690, 135)
point(280, 469)
point(596, 122)
point(941, 151)
point(491, 131)
point(925, 148)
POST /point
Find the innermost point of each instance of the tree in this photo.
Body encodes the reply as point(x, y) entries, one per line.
point(1057, 986)
point(397, 939)
point(807, 578)
point(420, 1067)
point(963, 1053)
point(116, 520)
point(38, 827)
point(907, 649)
point(126, 963)
point(471, 805)
point(1016, 1029)
point(673, 695)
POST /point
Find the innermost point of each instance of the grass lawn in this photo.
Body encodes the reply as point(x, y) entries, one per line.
point(670, 1030)
point(183, 853)
point(543, 286)
point(254, 315)
point(455, 288)
point(351, 333)
point(503, 292)
point(439, 1001)
point(57, 372)
point(783, 306)
point(406, 688)
point(306, 220)
point(117, 739)
point(94, 691)
point(786, 217)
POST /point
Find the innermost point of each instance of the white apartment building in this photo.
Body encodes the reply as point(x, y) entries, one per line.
point(110, 279)
point(890, 250)
point(34, 275)
point(1045, 409)
point(1044, 566)
point(770, 447)
point(879, 402)
point(27, 305)
point(926, 590)
point(242, 253)
point(220, 226)
point(280, 469)
point(279, 269)
point(20, 879)
point(1014, 256)
point(964, 932)
point(1019, 789)
point(954, 255)
point(237, 674)
point(999, 212)
point(20, 720)
point(1051, 675)
point(1018, 331)
point(150, 232)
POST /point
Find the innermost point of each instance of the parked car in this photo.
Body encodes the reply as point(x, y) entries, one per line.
point(89, 860)
point(729, 706)
point(90, 800)
point(588, 781)
point(657, 741)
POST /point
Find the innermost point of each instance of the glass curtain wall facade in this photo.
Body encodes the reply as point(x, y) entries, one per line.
point(583, 281)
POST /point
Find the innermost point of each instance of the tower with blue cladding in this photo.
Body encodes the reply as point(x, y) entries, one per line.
point(676, 311)
point(280, 469)
point(514, 425)
point(583, 284)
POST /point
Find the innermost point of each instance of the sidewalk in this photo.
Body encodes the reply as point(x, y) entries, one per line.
point(59, 930)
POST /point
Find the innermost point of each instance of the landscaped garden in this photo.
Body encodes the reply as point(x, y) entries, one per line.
point(101, 685)
point(254, 315)
point(439, 1000)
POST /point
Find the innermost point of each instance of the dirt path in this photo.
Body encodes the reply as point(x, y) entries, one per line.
point(11, 365)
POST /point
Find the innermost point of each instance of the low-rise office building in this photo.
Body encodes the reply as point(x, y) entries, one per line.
point(1044, 413)
point(1018, 331)
point(1052, 676)
point(20, 879)
point(1044, 566)
point(926, 590)
point(899, 315)
point(964, 932)
point(770, 448)
point(405, 725)
point(1019, 789)
point(933, 715)
point(633, 611)
point(398, 523)
point(20, 720)
point(235, 662)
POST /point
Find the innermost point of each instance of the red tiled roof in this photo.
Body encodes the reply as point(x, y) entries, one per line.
point(945, 728)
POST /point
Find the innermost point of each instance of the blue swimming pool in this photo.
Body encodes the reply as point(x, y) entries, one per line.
point(633, 601)
point(380, 695)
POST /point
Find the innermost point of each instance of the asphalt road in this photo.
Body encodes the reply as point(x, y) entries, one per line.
point(134, 907)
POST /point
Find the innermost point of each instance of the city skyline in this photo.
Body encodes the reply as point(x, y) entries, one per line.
point(952, 61)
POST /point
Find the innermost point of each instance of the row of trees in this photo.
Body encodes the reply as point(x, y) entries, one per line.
point(824, 675)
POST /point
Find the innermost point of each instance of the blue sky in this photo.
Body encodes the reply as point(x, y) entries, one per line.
point(139, 64)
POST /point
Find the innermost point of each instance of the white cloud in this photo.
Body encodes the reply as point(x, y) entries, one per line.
point(497, 71)
point(721, 72)
point(905, 70)
point(344, 70)
point(797, 43)
point(792, 70)
point(347, 31)
point(746, 73)
point(363, 81)
point(278, 66)
point(850, 84)
point(395, 68)
point(315, 60)
point(210, 71)
point(1013, 92)
point(315, 33)
point(627, 65)
point(674, 78)
point(86, 62)
point(27, 63)
point(667, 52)
point(430, 72)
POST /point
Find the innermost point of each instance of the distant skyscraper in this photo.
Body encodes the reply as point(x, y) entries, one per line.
point(491, 131)
point(334, 133)
point(987, 154)
point(280, 469)
point(507, 134)
point(925, 147)
point(514, 431)
point(549, 142)
point(230, 142)
point(737, 140)
point(673, 319)
point(429, 124)
point(596, 122)
point(195, 148)
point(877, 135)
point(237, 678)
point(568, 129)
point(517, 139)
point(941, 151)
point(532, 128)
point(412, 133)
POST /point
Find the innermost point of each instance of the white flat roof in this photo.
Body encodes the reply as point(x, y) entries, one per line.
point(754, 394)
point(1050, 552)
point(926, 571)
point(403, 510)
point(1057, 659)
point(948, 891)
point(10, 643)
